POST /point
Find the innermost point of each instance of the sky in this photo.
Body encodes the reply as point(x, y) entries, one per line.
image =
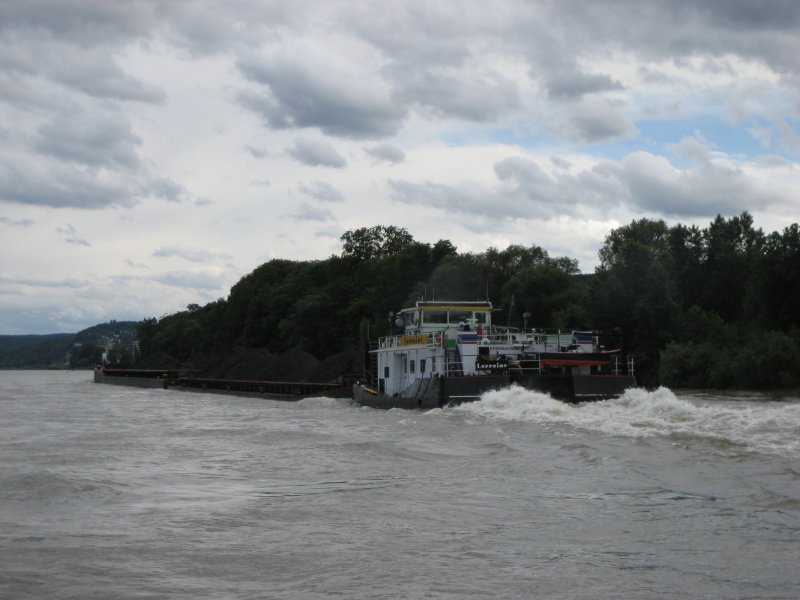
point(152, 153)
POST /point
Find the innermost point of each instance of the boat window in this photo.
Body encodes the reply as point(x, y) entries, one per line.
point(412, 366)
point(386, 372)
point(435, 316)
point(480, 317)
point(422, 365)
point(457, 316)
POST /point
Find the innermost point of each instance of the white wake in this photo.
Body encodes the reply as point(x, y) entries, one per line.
point(760, 426)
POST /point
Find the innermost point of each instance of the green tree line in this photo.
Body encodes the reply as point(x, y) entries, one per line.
point(712, 307)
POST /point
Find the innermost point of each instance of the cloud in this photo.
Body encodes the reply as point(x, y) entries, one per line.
point(310, 212)
point(466, 199)
point(128, 262)
point(193, 280)
point(706, 189)
point(100, 140)
point(198, 255)
point(73, 44)
point(386, 152)
point(71, 238)
point(640, 182)
point(68, 229)
point(597, 122)
point(322, 191)
point(69, 283)
point(565, 117)
point(480, 96)
point(316, 153)
point(256, 152)
point(79, 22)
point(304, 84)
point(60, 185)
point(16, 222)
point(569, 84)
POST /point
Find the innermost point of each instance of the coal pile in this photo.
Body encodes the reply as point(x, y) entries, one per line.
point(259, 364)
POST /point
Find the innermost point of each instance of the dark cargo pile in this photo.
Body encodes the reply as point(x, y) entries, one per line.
point(258, 364)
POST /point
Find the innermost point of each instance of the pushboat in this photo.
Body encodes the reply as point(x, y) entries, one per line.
point(451, 352)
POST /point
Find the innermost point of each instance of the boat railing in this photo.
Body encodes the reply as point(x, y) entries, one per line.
point(427, 340)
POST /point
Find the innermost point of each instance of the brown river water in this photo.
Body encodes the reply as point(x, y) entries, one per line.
point(110, 492)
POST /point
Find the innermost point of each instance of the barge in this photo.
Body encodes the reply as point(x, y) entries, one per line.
point(451, 352)
point(181, 380)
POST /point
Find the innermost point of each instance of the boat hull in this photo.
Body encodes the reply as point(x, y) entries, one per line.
point(142, 382)
point(444, 391)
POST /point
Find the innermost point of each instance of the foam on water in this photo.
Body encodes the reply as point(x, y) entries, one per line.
point(769, 427)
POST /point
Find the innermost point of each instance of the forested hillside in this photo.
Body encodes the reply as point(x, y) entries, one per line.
point(717, 306)
point(80, 350)
point(35, 351)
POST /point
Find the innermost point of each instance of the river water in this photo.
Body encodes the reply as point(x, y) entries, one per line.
point(111, 492)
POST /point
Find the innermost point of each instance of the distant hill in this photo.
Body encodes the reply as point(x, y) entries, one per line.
point(69, 350)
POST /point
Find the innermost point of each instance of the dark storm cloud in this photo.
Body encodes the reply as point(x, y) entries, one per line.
point(316, 153)
point(386, 152)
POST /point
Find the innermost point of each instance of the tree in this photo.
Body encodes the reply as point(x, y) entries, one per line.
point(367, 243)
point(731, 249)
point(634, 288)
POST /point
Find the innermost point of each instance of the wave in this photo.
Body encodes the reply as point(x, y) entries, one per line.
point(769, 427)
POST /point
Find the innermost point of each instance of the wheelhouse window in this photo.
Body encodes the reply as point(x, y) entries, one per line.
point(438, 317)
point(460, 316)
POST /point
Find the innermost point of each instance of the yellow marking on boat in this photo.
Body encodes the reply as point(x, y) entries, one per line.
point(414, 340)
point(477, 307)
